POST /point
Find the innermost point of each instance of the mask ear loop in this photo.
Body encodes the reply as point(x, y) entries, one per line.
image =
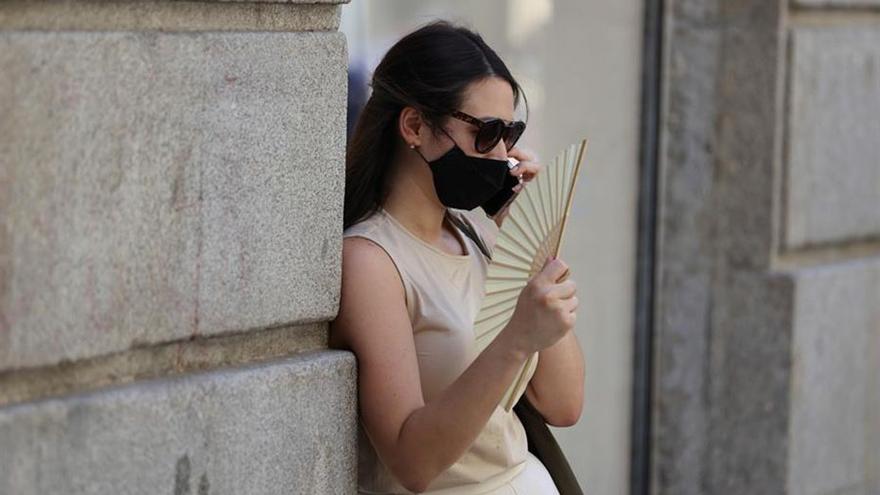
point(415, 148)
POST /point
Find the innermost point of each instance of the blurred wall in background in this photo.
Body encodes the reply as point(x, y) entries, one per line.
point(767, 376)
point(579, 63)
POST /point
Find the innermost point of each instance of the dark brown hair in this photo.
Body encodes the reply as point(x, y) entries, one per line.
point(428, 70)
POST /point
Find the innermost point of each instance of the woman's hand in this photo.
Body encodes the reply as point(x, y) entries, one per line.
point(545, 310)
point(527, 169)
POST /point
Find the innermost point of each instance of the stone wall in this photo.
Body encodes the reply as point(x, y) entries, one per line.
point(768, 295)
point(171, 181)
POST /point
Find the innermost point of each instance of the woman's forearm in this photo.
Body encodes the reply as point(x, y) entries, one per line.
point(557, 387)
point(436, 435)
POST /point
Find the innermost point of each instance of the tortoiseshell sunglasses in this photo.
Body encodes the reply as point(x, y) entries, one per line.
point(493, 130)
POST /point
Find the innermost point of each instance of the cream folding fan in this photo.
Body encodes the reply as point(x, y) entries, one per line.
point(531, 232)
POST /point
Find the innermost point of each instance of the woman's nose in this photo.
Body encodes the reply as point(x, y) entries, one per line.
point(499, 152)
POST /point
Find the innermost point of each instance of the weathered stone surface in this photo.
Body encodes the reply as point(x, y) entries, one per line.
point(835, 396)
point(715, 219)
point(153, 187)
point(748, 382)
point(731, 332)
point(838, 3)
point(164, 15)
point(161, 360)
point(833, 169)
point(684, 258)
point(286, 1)
point(285, 427)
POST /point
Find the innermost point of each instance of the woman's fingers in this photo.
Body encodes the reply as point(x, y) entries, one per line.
point(571, 304)
point(522, 154)
point(527, 170)
point(564, 290)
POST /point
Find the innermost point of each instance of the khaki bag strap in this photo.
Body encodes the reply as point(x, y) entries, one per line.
point(469, 231)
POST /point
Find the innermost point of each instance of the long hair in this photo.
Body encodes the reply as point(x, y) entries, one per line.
point(428, 69)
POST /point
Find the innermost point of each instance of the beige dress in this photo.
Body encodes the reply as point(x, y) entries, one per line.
point(443, 295)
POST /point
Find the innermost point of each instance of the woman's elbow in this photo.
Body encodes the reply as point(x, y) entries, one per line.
point(414, 479)
point(568, 417)
point(417, 487)
point(416, 483)
point(567, 414)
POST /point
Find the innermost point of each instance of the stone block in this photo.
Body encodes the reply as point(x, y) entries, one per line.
point(161, 360)
point(716, 195)
point(833, 169)
point(283, 427)
point(748, 378)
point(298, 2)
point(838, 3)
point(156, 186)
point(164, 15)
point(835, 400)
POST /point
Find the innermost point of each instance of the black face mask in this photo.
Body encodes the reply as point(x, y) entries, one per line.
point(466, 182)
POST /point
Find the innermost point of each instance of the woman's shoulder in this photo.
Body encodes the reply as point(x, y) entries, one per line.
point(375, 228)
point(366, 258)
point(368, 241)
point(366, 224)
point(364, 238)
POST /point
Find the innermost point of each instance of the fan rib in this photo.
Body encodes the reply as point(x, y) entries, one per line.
point(489, 316)
point(538, 231)
point(529, 211)
point(502, 301)
point(525, 374)
point(535, 244)
point(507, 250)
point(511, 265)
point(500, 291)
point(512, 279)
point(564, 194)
point(514, 240)
point(558, 183)
point(548, 214)
point(498, 318)
point(529, 197)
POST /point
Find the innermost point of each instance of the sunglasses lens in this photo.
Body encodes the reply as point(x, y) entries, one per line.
point(513, 134)
point(489, 135)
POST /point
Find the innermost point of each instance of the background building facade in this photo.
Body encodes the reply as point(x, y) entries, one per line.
point(171, 181)
point(767, 324)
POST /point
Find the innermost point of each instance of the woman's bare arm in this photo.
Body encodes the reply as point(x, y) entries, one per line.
point(417, 441)
point(557, 387)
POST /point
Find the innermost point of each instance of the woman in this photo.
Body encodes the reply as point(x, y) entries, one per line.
point(424, 154)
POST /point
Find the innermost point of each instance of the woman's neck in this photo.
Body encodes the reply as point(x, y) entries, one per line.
point(426, 224)
point(414, 204)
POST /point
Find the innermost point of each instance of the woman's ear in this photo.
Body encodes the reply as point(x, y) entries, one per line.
point(410, 125)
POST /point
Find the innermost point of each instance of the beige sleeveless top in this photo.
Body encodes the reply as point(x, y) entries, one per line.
point(443, 295)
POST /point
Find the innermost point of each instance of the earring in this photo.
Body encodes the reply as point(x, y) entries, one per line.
point(412, 146)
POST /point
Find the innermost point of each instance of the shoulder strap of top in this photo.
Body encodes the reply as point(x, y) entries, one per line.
point(469, 231)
